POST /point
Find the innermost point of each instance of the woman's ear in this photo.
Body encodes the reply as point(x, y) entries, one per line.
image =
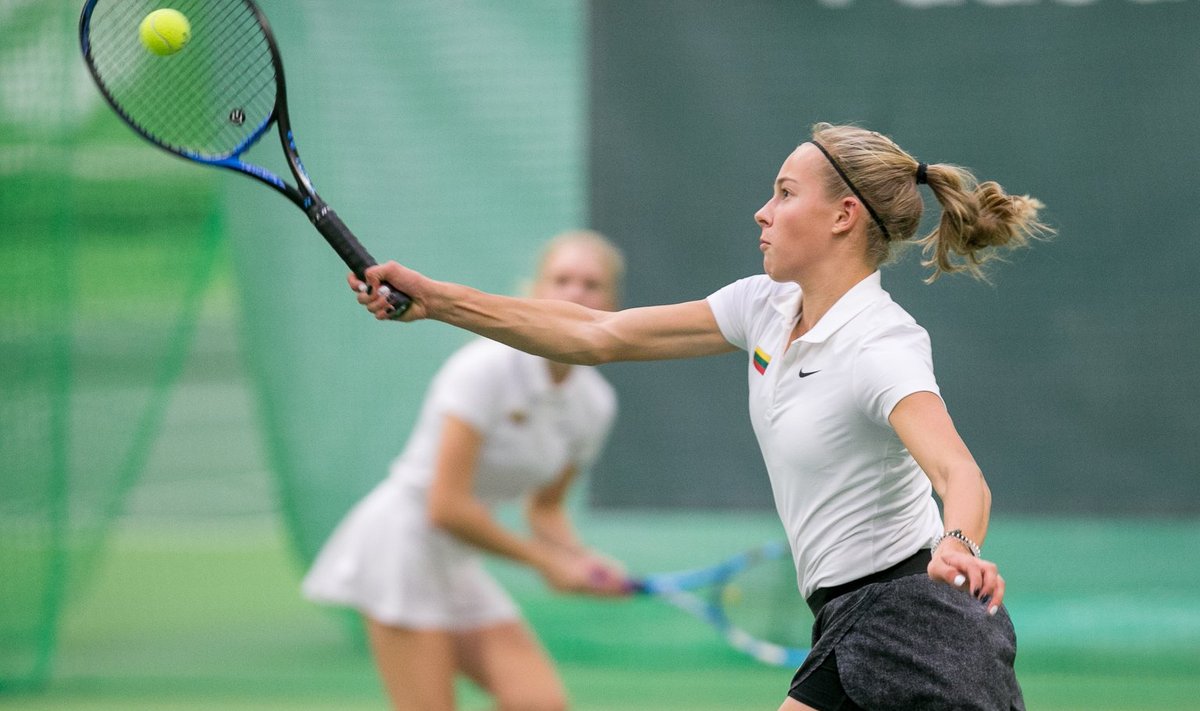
point(848, 213)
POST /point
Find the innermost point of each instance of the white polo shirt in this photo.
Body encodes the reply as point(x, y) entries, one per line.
point(851, 497)
point(531, 427)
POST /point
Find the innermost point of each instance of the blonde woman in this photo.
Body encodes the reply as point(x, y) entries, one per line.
point(496, 424)
point(846, 409)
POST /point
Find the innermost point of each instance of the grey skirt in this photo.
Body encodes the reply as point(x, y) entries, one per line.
point(913, 644)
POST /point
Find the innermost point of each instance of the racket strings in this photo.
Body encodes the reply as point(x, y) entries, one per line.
point(762, 600)
point(211, 97)
point(143, 87)
point(246, 48)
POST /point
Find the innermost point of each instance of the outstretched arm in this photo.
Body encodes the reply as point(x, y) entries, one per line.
point(925, 428)
point(557, 330)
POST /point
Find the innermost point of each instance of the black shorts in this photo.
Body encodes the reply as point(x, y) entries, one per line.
point(822, 689)
point(909, 643)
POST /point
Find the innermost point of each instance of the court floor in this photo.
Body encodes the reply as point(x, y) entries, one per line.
point(209, 616)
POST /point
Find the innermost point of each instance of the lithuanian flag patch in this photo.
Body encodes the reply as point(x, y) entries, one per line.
point(761, 360)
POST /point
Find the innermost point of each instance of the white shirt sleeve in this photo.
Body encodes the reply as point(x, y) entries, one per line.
point(732, 306)
point(893, 364)
point(472, 387)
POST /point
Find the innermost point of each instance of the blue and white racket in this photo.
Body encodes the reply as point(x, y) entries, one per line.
point(750, 598)
point(210, 100)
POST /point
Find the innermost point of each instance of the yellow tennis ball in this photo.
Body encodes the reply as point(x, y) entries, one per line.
point(165, 31)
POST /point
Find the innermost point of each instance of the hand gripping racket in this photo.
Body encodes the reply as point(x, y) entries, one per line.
point(751, 599)
point(212, 100)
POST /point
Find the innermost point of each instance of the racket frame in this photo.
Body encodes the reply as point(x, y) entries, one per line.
point(677, 588)
point(303, 194)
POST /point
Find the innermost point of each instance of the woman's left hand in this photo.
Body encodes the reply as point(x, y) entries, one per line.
point(963, 570)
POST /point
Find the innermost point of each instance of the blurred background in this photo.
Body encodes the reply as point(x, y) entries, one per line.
point(190, 399)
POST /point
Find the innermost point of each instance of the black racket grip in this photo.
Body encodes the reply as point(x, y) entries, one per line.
point(354, 254)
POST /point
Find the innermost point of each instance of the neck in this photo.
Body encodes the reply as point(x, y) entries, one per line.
point(558, 371)
point(823, 289)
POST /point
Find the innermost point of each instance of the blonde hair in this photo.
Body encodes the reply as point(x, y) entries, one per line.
point(978, 219)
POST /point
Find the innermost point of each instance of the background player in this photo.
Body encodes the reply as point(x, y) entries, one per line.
point(497, 424)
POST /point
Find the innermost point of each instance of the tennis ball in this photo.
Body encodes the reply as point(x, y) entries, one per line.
point(165, 31)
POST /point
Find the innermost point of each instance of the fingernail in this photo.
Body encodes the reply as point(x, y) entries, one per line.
point(960, 579)
point(992, 610)
point(363, 288)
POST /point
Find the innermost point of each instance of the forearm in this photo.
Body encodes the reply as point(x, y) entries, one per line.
point(966, 504)
point(472, 522)
point(558, 330)
point(551, 525)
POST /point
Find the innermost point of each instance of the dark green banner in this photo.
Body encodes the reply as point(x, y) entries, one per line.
point(1071, 376)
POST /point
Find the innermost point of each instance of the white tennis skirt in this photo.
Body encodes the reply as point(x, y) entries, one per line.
point(386, 561)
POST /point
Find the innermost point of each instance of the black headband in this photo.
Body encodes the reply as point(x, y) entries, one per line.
point(846, 179)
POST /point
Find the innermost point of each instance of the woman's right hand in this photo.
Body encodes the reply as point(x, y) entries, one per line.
point(398, 277)
point(961, 569)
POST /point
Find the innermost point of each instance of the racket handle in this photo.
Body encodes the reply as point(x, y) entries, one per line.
point(343, 241)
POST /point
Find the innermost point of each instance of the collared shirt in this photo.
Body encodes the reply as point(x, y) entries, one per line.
point(851, 497)
point(531, 427)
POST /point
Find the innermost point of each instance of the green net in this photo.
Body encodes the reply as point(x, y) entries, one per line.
point(457, 150)
point(104, 270)
point(105, 251)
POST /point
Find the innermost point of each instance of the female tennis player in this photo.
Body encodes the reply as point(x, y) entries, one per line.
point(496, 424)
point(847, 412)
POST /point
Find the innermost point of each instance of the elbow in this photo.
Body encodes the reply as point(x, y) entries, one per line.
point(603, 345)
point(441, 515)
point(437, 518)
point(597, 356)
point(599, 341)
point(590, 351)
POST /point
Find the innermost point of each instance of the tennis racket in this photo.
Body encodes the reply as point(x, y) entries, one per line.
point(212, 100)
point(750, 599)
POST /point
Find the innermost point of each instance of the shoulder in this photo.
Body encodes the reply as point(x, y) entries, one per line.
point(759, 288)
point(481, 353)
point(481, 364)
point(884, 321)
point(887, 341)
point(598, 394)
point(476, 383)
point(744, 307)
point(889, 324)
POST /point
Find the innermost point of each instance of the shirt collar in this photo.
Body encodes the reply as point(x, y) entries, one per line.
point(860, 296)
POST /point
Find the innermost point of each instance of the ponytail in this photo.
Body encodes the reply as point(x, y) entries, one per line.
point(978, 219)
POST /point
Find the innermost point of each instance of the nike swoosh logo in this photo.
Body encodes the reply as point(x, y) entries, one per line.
point(811, 372)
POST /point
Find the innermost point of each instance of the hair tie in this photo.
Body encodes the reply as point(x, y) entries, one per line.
point(922, 178)
point(887, 237)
